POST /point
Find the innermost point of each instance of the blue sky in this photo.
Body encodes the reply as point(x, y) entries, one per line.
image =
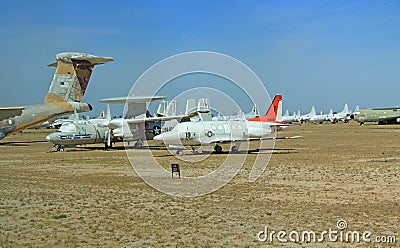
point(322, 53)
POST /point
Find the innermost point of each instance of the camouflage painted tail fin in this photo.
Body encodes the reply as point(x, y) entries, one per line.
point(73, 71)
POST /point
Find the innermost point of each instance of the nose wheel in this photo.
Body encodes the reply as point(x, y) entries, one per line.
point(59, 148)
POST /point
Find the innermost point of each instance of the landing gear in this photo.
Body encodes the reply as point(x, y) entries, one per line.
point(235, 149)
point(179, 152)
point(138, 144)
point(106, 146)
point(194, 151)
point(60, 148)
point(218, 149)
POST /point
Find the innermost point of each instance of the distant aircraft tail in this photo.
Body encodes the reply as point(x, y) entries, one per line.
point(312, 112)
point(73, 71)
point(274, 113)
point(345, 109)
point(287, 113)
point(190, 106)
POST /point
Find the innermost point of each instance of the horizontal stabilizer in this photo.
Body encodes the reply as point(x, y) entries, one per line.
point(70, 56)
point(9, 112)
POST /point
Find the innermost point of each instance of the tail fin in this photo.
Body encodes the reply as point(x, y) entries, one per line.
point(279, 117)
point(171, 108)
point(313, 112)
point(190, 106)
point(274, 110)
point(162, 108)
point(345, 109)
point(73, 71)
point(204, 109)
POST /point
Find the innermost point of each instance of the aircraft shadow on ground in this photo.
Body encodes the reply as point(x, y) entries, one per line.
point(253, 151)
point(21, 143)
point(91, 148)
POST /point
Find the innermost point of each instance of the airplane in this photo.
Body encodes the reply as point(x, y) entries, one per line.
point(307, 117)
point(140, 126)
point(380, 115)
point(319, 118)
point(137, 124)
point(209, 132)
point(286, 118)
point(82, 132)
point(70, 80)
point(101, 130)
point(344, 115)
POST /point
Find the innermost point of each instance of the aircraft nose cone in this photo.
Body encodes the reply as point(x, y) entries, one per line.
point(167, 137)
point(159, 137)
point(52, 137)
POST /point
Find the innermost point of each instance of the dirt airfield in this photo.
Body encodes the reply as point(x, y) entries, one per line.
point(90, 197)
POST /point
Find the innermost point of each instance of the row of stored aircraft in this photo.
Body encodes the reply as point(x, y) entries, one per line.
point(196, 126)
point(332, 117)
point(380, 115)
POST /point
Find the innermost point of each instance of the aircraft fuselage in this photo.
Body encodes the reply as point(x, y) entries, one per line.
point(36, 113)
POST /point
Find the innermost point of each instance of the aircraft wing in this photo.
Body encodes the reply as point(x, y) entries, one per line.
point(162, 118)
point(272, 124)
point(8, 112)
point(253, 139)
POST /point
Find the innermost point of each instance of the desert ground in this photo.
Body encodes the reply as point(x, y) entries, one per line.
point(87, 196)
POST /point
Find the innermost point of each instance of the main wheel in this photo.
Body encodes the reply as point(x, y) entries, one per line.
point(218, 149)
point(234, 149)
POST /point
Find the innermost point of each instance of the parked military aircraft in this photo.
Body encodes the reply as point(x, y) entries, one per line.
point(344, 115)
point(137, 124)
point(319, 118)
point(307, 117)
point(73, 71)
point(209, 132)
point(286, 118)
point(82, 132)
point(380, 115)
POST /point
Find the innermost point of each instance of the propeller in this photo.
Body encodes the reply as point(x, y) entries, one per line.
point(109, 131)
point(76, 117)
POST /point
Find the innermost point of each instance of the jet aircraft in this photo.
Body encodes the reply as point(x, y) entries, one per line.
point(71, 78)
point(210, 132)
